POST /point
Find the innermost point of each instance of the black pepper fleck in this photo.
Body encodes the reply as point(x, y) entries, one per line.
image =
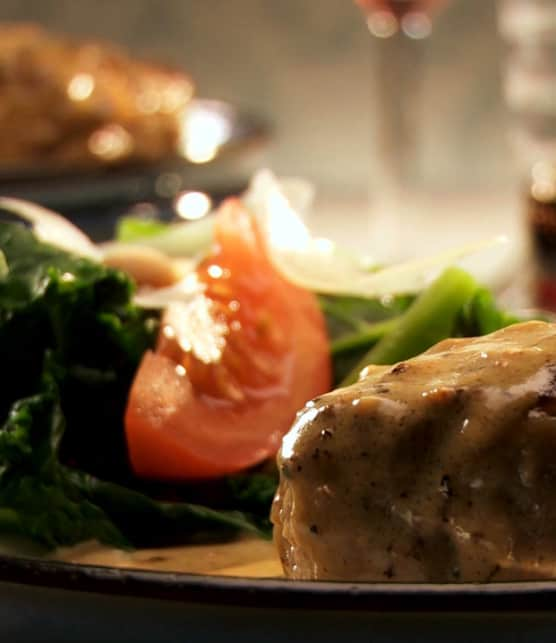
point(445, 488)
point(155, 559)
point(399, 368)
point(329, 411)
point(314, 529)
point(493, 573)
point(285, 470)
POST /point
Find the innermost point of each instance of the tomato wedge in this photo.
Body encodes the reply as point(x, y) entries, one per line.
point(231, 368)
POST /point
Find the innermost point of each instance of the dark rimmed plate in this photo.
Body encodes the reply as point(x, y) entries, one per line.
point(52, 601)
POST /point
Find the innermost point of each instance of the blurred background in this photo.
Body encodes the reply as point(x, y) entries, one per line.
point(306, 71)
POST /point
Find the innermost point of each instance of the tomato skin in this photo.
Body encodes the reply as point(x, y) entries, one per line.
point(189, 420)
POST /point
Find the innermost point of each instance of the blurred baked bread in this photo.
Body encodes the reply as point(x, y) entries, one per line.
point(83, 103)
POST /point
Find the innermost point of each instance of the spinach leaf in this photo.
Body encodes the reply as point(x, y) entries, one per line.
point(253, 492)
point(453, 305)
point(54, 505)
point(356, 324)
point(134, 228)
point(80, 311)
point(71, 340)
point(183, 239)
point(148, 522)
point(36, 498)
point(482, 315)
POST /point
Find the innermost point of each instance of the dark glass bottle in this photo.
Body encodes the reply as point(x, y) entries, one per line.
point(541, 217)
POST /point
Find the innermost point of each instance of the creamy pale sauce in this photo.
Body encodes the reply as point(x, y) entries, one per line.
point(439, 469)
point(248, 557)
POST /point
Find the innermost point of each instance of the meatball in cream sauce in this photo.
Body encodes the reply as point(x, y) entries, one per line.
point(438, 469)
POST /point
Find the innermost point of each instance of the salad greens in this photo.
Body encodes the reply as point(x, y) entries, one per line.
point(184, 239)
point(46, 501)
point(3, 265)
point(71, 339)
point(454, 305)
point(38, 500)
point(80, 313)
point(132, 228)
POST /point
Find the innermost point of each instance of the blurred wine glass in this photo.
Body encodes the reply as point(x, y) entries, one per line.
point(401, 29)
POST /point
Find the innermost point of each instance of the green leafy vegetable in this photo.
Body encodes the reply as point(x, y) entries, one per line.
point(346, 315)
point(481, 315)
point(80, 311)
point(52, 504)
point(138, 228)
point(185, 239)
point(36, 498)
point(453, 305)
point(71, 340)
point(253, 493)
point(3, 265)
point(356, 324)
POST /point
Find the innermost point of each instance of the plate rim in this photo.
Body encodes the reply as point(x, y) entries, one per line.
point(263, 593)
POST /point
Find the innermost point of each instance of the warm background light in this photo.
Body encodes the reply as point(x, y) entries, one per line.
point(192, 205)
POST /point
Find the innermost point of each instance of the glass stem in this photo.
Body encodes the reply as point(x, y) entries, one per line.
point(399, 61)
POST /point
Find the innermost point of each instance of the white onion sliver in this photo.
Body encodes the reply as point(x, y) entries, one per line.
point(299, 193)
point(319, 265)
point(52, 228)
point(326, 275)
